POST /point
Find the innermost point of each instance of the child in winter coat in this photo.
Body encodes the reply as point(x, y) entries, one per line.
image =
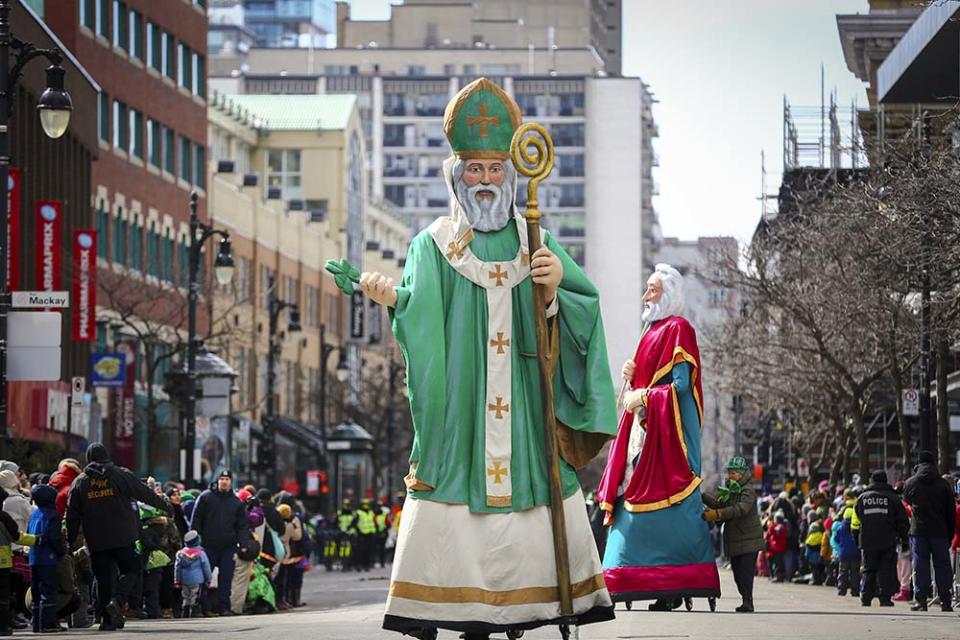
point(9, 533)
point(45, 523)
point(191, 571)
point(847, 555)
point(776, 538)
point(812, 552)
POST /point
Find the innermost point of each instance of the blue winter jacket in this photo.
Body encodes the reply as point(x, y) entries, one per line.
point(45, 521)
point(842, 542)
point(192, 567)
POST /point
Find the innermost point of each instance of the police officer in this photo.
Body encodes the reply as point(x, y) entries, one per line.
point(883, 523)
point(382, 518)
point(366, 527)
point(345, 539)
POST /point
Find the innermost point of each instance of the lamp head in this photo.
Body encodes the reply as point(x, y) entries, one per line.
point(223, 264)
point(55, 104)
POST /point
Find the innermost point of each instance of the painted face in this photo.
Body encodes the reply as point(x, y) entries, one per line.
point(654, 290)
point(484, 171)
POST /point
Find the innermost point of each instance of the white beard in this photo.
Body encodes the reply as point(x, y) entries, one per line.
point(654, 311)
point(484, 214)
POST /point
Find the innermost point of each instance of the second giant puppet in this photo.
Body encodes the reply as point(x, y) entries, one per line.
point(475, 550)
point(658, 545)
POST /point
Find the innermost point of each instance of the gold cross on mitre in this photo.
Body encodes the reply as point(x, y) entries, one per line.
point(499, 275)
point(496, 471)
point(500, 342)
point(483, 120)
point(500, 408)
point(455, 251)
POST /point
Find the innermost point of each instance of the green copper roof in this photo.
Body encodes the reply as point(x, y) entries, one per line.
point(295, 112)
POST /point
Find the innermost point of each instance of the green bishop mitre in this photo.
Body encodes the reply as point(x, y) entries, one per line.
point(480, 121)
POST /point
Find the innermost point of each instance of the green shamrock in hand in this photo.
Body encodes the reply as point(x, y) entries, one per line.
point(344, 274)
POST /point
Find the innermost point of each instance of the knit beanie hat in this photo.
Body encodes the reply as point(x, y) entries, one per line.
point(192, 539)
point(264, 495)
point(8, 479)
point(96, 452)
point(9, 465)
point(285, 511)
point(925, 457)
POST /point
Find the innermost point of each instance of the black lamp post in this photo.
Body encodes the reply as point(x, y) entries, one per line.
point(326, 350)
point(394, 370)
point(54, 108)
point(276, 306)
point(223, 270)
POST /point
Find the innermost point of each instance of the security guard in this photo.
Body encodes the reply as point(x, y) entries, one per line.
point(366, 527)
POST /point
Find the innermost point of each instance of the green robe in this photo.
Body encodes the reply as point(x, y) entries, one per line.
point(440, 322)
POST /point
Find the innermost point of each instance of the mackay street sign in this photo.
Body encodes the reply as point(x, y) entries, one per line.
point(40, 299)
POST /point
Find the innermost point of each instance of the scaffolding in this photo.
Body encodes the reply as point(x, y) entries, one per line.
point(824, 137)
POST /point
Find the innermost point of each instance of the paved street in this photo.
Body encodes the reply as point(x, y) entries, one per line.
point(350, 607)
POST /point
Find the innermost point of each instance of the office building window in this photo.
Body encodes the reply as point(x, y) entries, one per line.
point(103, 17)
point(169, 56)
point(153, 251)
point(136, 133)
point(119, 239)
point(199, 76)
point(136, 35)
point(88, 14)
point(136, 246)
point(121, 26)
point(154, 46)
point(184, 72)
point(168, 259)
point(200, 166)
point(103, 117)
point(121, 128)
point(185, 173)
point(570, 165)
point(103, 230)
point(283, 170)
point(154, 143)
point(168, 152)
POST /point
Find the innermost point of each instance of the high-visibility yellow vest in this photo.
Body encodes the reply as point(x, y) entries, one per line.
point(344, 520)
point(365, 522)
point(381, 521)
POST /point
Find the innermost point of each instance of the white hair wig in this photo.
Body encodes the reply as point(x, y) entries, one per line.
point(672, 302)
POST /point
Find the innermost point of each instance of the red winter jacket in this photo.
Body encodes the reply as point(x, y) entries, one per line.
point(62, 480)
point(777, 538)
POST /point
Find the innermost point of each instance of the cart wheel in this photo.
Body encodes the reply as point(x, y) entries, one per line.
point(629, 604)
point(565, 632)
point(514, 634)
point(713, 603)
point(688, 603)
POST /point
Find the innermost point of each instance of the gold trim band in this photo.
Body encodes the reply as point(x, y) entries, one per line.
point(475, 595)
point(667, 502)
point(499, 501)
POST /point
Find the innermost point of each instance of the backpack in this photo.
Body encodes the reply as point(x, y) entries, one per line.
point(250, 550)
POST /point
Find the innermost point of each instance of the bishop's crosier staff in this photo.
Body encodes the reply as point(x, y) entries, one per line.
point(532, 152)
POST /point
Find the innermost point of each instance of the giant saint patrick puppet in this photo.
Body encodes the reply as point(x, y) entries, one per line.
point(474, 553)
point(658, 546)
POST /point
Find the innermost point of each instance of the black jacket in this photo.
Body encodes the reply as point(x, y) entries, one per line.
point(102, 501)
point(930, 497)
point(220, 518)
point(883, 520)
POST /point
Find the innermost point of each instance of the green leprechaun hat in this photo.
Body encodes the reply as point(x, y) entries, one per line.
point(480, 121)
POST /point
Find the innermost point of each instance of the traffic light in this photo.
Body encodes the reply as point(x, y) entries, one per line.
point(324, 487)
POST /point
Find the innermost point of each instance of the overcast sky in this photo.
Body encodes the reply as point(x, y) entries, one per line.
point(720, 69)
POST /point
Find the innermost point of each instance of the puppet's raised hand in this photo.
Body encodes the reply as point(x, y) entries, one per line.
point(345, 275)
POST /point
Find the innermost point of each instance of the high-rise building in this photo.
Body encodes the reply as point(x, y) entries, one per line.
point(149, 60)
point(551, 58)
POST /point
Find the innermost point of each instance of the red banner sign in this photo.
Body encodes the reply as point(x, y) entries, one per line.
point(124, 408)
point(13, 229)
point(49, 245)
point(84, 295)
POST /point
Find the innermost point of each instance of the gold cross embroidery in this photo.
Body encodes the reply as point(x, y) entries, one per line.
point(496, 471)
point(483, 120)
point(455, 251)
point(525, 259)
point(499, 275)
point(500, 342)
point(500, 408)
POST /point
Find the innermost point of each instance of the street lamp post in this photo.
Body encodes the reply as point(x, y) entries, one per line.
point(275, 307)
point(326, 350)
point(54, 108)
point(395, 369)
point(223, 270)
